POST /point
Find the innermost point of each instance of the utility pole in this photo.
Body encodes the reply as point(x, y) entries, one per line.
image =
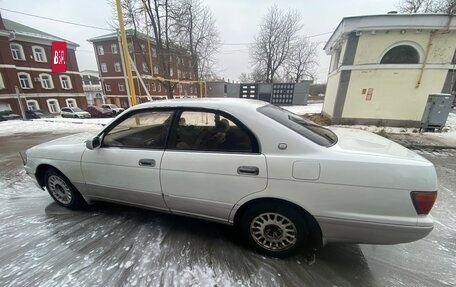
point(18, 95)
point(126, 56)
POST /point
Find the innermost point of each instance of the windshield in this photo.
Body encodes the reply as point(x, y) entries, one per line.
point(306, 128)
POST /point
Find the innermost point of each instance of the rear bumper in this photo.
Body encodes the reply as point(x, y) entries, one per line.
point(340, 230)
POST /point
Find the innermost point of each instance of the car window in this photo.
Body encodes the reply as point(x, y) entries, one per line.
point(308, 129)
point(140, 130)
point(66, 110)
point(77, 110)
point(209, 131)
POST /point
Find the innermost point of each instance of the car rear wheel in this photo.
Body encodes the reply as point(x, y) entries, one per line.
point(62, 191)
point(275, 230)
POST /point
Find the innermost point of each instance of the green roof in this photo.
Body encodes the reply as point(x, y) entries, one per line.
point(128, 32)
point(24, 30)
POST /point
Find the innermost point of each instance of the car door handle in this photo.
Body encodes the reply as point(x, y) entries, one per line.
point(250, 170)
point(147, 162)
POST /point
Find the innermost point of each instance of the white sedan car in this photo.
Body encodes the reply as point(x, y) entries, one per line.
point(284, 182)
point(74, 113)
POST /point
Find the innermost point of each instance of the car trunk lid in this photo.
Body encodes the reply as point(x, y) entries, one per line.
point(362, 142)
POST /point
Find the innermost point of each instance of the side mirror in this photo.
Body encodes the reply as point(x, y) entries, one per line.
point(93, 143)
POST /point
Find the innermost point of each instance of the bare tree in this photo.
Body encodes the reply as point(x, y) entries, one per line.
point(428, 6)
point(445, 6)
point(271, 47)
point(302, 61)
point(415, 6)
point(195, 30)
point(245, 78)
point(158, 12)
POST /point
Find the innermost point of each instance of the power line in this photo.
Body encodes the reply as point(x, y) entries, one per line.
point(249, 43)
point(57, 20)
point(106, 29)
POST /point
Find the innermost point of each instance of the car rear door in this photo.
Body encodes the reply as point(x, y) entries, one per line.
point(126, 166)
point(212, 162)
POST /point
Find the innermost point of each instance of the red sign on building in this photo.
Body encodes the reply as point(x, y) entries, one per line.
point(59, 56)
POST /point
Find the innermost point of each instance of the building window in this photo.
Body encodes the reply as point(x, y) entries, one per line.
point(65, 81)
point(154, 87)
point(104, 68)
point(46, 81)
point(155, 70)
point(159, 87)
point(114, 49)
point(402, 54)
point(121, 87)
point(179, 73)
point(144, 66)
point(17, 52)
point(25, 81)
point(154, 52)
point(39, 54)
point(143, 48)
point(171, 72)
point(53, 105)
point(100, 50)
point(71, 103)
point(2, 84)
point(32, 105)
point(148, 86)
point(117, 67)
point(180, 88)
point(108, 87)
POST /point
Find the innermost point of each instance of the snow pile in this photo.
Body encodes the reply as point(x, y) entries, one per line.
point(308, 109)
point(24, 127)
point(446, 137)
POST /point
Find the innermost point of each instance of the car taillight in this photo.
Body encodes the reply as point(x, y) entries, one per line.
point(423, 200)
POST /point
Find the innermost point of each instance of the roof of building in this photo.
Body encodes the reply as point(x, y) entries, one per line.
point(391, 21)
point(23, 30)
point(128, 32)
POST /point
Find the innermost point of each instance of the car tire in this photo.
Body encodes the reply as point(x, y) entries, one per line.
point(62, 191)
point(274, 230)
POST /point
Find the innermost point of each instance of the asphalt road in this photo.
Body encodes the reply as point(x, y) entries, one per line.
point(43, 244)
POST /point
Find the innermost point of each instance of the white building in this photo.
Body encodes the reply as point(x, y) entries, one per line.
point(384, 67)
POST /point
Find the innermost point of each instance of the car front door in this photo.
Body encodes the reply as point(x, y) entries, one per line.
point(212, 161)
point(126, 166)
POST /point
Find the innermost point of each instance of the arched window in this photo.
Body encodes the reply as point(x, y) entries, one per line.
point(53, 105)
point(71, 103)
point(402, 54)
point(33, 105)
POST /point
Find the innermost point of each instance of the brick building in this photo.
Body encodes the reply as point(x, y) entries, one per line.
point(91, 85)
point(25, 63)
point(113, 77)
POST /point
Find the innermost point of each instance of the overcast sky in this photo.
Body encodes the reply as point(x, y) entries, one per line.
point(236, 20)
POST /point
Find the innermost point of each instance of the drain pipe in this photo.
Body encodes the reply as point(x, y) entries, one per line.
point(428, 47)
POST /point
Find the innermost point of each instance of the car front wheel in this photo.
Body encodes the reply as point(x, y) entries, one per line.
point(62, 191)
point(275, 230)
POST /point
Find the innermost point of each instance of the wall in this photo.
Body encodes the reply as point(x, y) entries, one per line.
point(331, 92)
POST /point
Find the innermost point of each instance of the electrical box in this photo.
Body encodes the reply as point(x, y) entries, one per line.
point(436, 112)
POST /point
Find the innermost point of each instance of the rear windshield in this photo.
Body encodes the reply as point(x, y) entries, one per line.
point(306, 128)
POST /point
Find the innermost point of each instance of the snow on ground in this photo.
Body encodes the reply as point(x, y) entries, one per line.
point(447, 137)
point(41, 126)
point(311, 108)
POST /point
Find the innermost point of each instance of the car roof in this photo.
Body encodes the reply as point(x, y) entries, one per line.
point(209, 103)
